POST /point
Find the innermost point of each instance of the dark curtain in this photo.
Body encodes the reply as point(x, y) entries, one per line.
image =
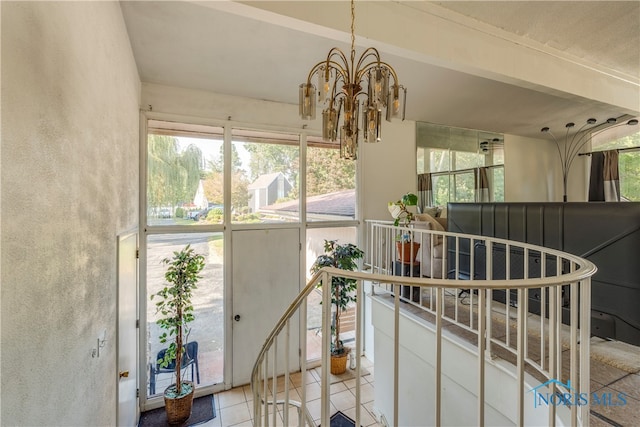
point(425, 191)
point(604, 181)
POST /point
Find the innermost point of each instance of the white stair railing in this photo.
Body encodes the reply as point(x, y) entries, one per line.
point(561, 284)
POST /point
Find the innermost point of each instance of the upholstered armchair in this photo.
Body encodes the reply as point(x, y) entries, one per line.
point(432, 256)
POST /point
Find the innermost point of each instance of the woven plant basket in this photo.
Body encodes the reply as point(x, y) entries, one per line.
point(339, 364)
point(179, 409)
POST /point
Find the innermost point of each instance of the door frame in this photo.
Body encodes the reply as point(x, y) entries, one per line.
point(136, 365)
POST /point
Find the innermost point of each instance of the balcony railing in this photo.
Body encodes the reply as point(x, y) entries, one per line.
point(538, 298)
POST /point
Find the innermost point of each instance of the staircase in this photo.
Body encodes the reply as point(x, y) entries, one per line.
point(545, 347)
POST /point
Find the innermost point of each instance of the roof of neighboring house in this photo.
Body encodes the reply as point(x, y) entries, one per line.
point(265, 180)
point(339, 203)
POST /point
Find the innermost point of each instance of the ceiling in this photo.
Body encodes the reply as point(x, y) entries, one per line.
point(190, 45)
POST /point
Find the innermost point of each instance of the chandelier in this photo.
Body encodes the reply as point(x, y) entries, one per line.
point(573, 143)
point(345, 86)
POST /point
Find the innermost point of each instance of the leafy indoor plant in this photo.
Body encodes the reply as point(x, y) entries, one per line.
point(342, 292)
point(399, 210)
point(182, 277)
point(407, 248)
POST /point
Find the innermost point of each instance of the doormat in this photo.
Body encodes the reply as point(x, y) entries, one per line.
point(203, 410)
point(340, 420)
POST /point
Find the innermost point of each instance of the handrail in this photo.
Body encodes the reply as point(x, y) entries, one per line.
point(579, 275)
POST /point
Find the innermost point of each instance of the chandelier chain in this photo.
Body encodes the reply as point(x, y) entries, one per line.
point(353, 32)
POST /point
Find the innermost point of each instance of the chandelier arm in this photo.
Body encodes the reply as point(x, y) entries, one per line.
point(359, 94)
point(333, 64)
point(336, 95)
point(371, 51)
point(341, 70)
point(337, 52)
point(362, 72)
point(392, 71)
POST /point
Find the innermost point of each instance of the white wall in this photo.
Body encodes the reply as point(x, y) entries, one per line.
point(70, 100)
point(532, 170)
point(416, 377)
point(388, 169)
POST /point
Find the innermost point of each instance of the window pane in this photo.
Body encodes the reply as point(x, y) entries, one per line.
point(497, 184)
point(438, 160)
point(629, 169)
point(420, 159)
point(264, 181)
point(207, 329)
point(462, 160)
point(331, 183)
point(463, 187)
point(441, 190)
point(184, 174)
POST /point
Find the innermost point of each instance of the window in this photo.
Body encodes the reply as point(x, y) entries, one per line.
point(204, 182)
point(184, 174)
point(264, 177)
point(453, 156)
point(627, 140)
point(331, 183)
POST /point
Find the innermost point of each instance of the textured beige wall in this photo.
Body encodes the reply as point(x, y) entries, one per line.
point(69, 170)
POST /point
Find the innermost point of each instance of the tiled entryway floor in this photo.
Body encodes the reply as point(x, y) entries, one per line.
point(235, 407)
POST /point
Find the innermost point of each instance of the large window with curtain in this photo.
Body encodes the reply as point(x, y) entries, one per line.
point(458, 165)
point(623, 143)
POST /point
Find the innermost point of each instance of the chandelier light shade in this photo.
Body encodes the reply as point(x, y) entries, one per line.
point(352, 91)
point(573, 143)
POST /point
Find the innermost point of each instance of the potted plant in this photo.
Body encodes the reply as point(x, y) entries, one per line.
point(407, 248)
point(182, 277)
point(342, 293)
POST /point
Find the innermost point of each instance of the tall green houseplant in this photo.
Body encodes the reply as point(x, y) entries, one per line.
point(182, 276)
point(342, 289)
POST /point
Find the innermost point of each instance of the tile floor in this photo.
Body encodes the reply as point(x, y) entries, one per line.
point(235, 407)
